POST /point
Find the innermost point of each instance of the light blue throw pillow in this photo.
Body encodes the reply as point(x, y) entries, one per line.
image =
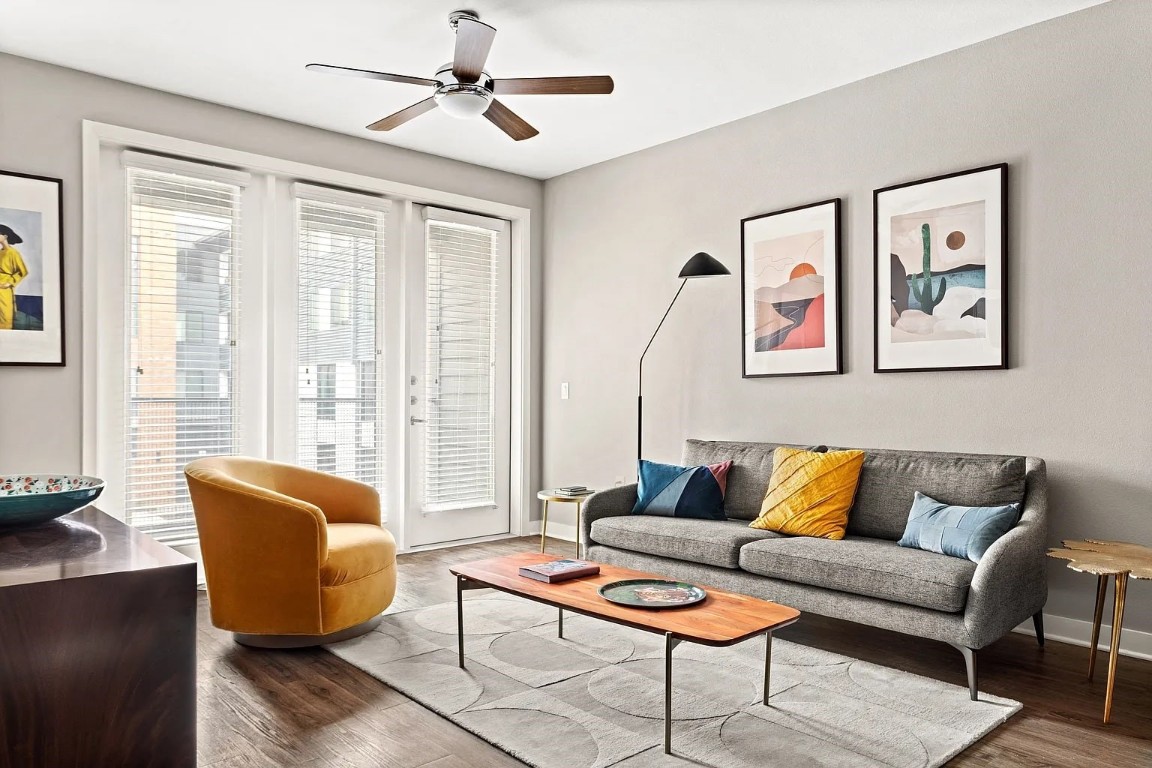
point(956, 531)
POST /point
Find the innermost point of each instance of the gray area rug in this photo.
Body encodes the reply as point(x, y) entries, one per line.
point(596, 698)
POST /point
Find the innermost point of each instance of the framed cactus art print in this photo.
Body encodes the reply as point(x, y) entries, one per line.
point(940, 272)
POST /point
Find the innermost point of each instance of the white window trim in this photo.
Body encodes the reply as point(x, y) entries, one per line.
point(340, 197)
point(130, 158)
point(460, 217)
point(96, 136)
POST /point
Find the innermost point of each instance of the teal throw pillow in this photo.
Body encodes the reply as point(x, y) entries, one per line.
point(956, 531)
point(673, 491)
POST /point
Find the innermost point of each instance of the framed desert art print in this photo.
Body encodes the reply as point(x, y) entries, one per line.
point(790, 281)
point(940, 274)
point(31, 270)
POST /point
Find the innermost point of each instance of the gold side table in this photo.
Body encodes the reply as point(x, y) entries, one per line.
point(1107, 558)
point(547, 496)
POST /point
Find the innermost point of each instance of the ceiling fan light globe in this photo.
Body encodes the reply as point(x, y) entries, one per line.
point(463, 102)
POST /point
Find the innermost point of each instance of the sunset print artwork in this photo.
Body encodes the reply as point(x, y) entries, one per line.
point(790, 271)
point(940, 273)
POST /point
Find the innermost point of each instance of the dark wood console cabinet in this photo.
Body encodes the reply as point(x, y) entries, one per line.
point(97, 647)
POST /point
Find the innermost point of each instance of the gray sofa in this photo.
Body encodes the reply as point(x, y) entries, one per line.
point(866, 577)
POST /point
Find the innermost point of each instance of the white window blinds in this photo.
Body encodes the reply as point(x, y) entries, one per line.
point(461, 295)
point(340, 408)
point(180, 385)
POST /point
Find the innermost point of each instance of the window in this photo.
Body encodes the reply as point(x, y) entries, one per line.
point(340, 245)
point(181, 362)
point(461, 314)
point(326, 457)
point(236, 312)
point(326, 392)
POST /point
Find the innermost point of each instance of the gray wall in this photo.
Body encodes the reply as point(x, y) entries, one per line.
point(40, 134)
point(1064, 102)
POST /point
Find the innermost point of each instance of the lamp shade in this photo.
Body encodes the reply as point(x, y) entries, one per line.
point(703, 265)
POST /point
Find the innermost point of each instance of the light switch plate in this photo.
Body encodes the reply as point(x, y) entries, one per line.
point(564, 390)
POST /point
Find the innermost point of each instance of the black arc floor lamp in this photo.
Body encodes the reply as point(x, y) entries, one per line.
point(700, 265)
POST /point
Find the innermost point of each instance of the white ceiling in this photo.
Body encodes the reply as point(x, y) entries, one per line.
point(680, 66)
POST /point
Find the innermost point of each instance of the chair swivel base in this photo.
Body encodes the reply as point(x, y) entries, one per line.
point(306, 641)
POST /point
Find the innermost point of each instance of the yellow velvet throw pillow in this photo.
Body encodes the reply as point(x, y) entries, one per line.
point(810, 493)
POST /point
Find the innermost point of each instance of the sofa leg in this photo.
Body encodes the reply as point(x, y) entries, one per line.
point(1038, 623)
point(969, 664)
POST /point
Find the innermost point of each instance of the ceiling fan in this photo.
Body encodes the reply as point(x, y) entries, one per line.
point(465, 90)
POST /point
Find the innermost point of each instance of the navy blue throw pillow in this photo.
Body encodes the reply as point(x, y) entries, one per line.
point(674, 491)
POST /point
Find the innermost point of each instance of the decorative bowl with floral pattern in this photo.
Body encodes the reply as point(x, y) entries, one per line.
point(34, 499)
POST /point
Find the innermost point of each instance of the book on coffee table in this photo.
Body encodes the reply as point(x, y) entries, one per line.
point(559, 570)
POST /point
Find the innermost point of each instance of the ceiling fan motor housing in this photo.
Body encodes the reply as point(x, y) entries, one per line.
point(462, 100)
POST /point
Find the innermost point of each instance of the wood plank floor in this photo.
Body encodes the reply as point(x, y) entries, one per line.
point(267, 709)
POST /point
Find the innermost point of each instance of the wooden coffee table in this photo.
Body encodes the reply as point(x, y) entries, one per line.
point(722, 619)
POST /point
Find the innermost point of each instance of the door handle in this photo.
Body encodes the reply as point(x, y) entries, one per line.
point(414, 421)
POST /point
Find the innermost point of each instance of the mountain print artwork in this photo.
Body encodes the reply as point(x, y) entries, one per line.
point(789, 314)
point(790, 277)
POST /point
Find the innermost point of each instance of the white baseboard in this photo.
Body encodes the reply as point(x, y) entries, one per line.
point(561, 531)
point(1078, 632)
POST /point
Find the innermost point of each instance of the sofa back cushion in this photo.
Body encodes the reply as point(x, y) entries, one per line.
point(747, 479)
point(888, 482)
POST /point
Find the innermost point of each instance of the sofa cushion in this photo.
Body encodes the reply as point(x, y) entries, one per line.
point(747, 479)
point(356, 550)
point(863, 566)
point(713, 542)
point(890, 480)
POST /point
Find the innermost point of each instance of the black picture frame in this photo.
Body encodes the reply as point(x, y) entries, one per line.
point(837, 302)
point(60, 358)
point(1003, 261)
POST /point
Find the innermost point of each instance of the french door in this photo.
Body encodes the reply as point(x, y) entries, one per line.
point(246, 312)
point(459, 384)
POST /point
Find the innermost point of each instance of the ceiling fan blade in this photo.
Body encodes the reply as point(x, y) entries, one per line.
point(509, 122)
point(403, 116)
point(545, 85)
point(473, 41)
point(371, 75)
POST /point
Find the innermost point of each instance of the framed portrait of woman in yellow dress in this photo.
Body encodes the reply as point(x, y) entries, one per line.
point(31, 270)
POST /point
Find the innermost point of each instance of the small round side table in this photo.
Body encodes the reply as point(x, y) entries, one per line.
point(1107, 558)
point(547, 496)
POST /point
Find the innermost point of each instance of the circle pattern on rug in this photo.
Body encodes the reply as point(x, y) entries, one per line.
point(527, 651)
point(542, 738)
point(486, 616)
point(699, 690)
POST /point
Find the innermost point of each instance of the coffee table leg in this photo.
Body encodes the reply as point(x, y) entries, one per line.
point(767, 664)
point(460, 617)
point(560, 625)
point(670, 644)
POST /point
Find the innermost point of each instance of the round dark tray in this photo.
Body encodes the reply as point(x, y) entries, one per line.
point(646, 593)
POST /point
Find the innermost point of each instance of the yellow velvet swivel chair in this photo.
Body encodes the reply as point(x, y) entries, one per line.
point(293, 557)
